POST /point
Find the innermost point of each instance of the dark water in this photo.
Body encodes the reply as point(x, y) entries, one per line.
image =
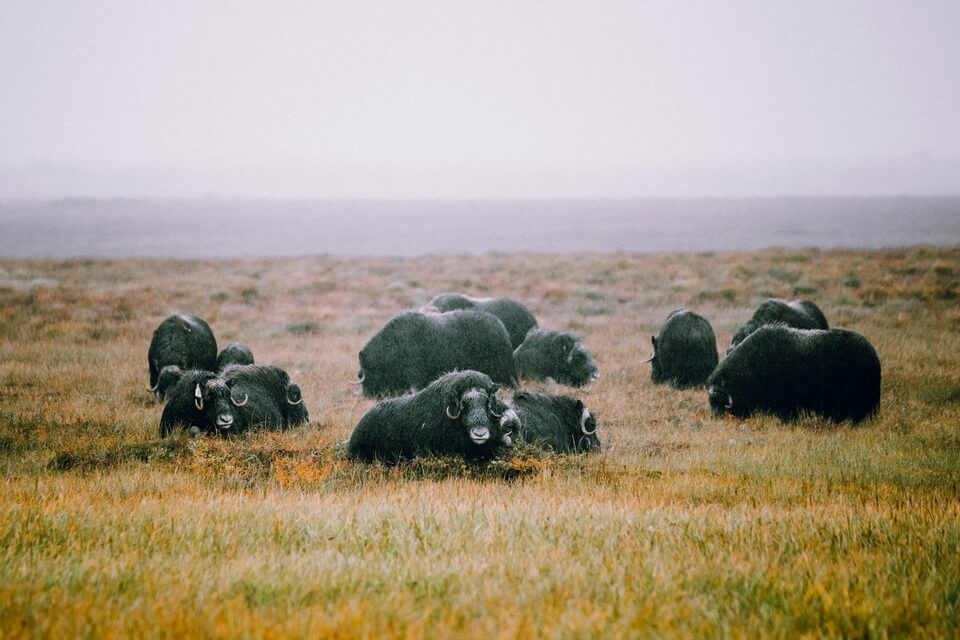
point(246, 228)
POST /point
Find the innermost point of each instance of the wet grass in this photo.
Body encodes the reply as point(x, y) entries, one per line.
point(685, 525)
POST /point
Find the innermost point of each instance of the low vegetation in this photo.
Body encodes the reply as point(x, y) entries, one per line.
point(685, 525)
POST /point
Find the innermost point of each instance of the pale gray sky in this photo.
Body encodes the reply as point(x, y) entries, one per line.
point(488, 99)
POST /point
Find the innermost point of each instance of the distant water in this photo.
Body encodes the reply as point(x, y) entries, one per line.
point(214, 228)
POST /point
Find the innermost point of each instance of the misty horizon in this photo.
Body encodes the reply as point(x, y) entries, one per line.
point(500, 100)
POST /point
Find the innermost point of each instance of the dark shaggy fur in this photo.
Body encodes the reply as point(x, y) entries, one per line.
point(684, 352)
point(555, 354)
point(181, 342)
point(799, 314)
point(421, 424)
point(561, 423)
point(784, 371)
point(517, 318)
point(415, 348)
point(240, 397)
point(234, 353)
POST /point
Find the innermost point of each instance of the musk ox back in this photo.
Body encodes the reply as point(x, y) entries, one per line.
point(517, 318)
point(561, 423)
point(555, 354)
point(234, 353)
point(784, 371)
point(180, 343)
point(238, 398)
point(684, 351)
point(457, 414)
point(799, 314)
point(415, 348)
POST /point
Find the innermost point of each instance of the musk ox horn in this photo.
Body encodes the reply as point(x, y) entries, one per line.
point(363, 375)
point(493, 411)
point(153, 389)
point(452, 416)
point(729, 403)
point(583, 423)
point(246, 398)
point(289, 401)
point(198, 398)
point(650, 359)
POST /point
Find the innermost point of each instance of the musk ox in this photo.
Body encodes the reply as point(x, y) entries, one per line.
point(555, 354)
point(457, 414)
point(799, 314)
point(414, 348)
point(515, 317)
point(834, 373)
point(181, 342)
point(234, 353)
point(684, 351)
point(238, 398)
point(561, 423)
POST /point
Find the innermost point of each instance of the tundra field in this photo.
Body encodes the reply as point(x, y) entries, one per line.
point(684, 525)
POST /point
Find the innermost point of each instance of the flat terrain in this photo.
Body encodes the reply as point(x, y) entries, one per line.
point(685, 525)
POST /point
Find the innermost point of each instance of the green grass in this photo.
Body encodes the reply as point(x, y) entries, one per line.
point(685, 525)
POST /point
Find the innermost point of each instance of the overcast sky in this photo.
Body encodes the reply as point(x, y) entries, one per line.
point(479, 99)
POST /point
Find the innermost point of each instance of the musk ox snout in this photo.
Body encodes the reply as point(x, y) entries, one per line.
point(224, 421)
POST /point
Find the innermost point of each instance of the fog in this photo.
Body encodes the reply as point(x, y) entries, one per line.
point(465, 100)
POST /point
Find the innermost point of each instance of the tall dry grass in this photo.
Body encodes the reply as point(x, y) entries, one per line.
point(685, 525)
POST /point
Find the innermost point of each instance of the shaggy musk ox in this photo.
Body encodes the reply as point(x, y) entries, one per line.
point(240, 397)
point(414, 348)
point(181, 342)
point(785, 371)
point(515, 317)
point(457, 414)
point(684, 352)
point(561, 423)
point(234, 353)
point(799, 314)
point(557, 355)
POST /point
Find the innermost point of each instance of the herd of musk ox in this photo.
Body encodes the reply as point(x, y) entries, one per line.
point(436, 372)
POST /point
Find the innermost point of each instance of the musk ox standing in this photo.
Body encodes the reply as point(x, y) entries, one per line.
point(240, 397)
point(457, 414)
point(413, 349)
point(555, 354)
point(799, 314)
point(684, 352)
point(234, 353)
point(181, 342)
point(515, 317)
point(561, 423)
point(784, 371)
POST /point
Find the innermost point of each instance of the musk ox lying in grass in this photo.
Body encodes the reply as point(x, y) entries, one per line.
point(415, 348)
point(181, 342)
point(799, 314)
point(457, 414)
point(684, 351)
point(561, 423)
point(784, 371)
point(517, 319)
point(555, 354)
point(234, 400)
point(234, 353)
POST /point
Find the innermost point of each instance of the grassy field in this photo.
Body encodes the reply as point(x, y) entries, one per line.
point(685, 525)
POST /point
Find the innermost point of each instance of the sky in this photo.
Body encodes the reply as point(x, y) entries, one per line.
point(515, 99)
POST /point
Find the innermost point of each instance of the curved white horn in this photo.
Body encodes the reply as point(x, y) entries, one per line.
point(450, 415)
point(289, 401)
point(154, 387)
point(729, 403)
point(363, 375)
point(198, 398)
point(650, 359)
point(583, 423)
point(246, 398)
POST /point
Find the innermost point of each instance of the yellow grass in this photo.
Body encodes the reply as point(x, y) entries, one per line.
point(685, 525)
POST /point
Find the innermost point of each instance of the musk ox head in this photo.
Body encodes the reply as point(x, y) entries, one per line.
point(167, 379)
point(218, 403)
point(558, 355)
point(234, 353)
point(483, 419)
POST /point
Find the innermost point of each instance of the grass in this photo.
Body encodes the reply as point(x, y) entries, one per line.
point(685, 525)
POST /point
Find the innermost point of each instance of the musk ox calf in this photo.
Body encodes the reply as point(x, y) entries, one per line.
point(457, 414)
point(785, 371)
point(414, 348)
point(561, 423)
point(557, 355)
point(517, 319)
point(234, 353)
point(684, 352)
point(181, 342)
point(238, 398)
point(799, 314)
